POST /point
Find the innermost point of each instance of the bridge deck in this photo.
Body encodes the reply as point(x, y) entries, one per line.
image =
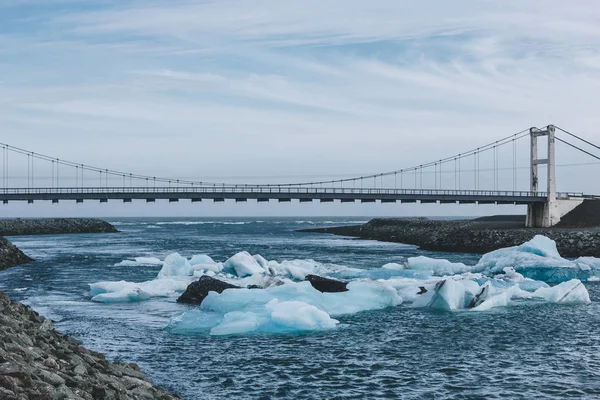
point(265, 193)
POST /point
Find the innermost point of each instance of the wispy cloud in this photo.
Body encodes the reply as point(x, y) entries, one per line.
point(304, 85)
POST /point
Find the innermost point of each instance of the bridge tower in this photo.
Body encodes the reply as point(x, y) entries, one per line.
point(544, 215)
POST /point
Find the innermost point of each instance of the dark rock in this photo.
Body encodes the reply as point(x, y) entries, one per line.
point(197, 291)
point(474, 236)
point(38, 372)
point(10, 255)
point(326, 285)
point(53, 226)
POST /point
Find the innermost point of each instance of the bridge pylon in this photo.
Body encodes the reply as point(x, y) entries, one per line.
point(544, 215)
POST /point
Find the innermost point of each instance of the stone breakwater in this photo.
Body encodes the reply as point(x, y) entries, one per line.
point(469, 236)
point(10, 255)
point(37, 362)
point(53, 226)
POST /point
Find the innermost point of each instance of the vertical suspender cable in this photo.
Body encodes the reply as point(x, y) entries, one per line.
point(459, 172)
point(514, 143)
point(478, 159)
point(475, 171)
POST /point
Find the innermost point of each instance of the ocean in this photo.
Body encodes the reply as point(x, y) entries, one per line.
point(526, 350)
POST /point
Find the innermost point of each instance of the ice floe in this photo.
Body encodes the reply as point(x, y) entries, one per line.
point(279, 299)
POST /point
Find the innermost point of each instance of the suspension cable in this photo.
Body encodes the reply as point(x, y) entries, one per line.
point(576, 147)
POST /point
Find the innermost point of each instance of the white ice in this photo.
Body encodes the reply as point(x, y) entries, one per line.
point(243, 264)
point(286, 316)
point(434, 266)
point(122, 291)
point(538, 259)
point(139, 261)
point(293, 307)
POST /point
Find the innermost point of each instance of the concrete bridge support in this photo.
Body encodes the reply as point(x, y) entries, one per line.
point(544, 215)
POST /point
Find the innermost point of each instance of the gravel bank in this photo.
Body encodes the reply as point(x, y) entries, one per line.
point(53, 226)
point(469, 236)
point(37, 362)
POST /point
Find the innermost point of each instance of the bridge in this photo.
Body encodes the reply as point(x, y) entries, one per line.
point(53, 179)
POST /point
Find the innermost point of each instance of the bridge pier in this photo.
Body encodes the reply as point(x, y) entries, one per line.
point(545, 215)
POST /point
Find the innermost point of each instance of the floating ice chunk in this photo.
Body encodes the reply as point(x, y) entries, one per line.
point(237, 322)
point(299, 316)
point(295, 269)
point(538, 260)
point(361, 296)
point(243, 264)
point(193, 322)
point(438, 267)
point(139, 261)
point(214, 268)
point(175, 265)
point(261, 260)
point(201, 259)
point(394, 266)
point(276, 316)
point(541, 246)
point(124, 291)
point(573, 292)
point(449, 294)
point(500, 300)
point(124, 295)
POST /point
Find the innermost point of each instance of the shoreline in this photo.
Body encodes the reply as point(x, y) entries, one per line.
point(12, 256)
point(36, 361)
point(478, 236)
point(53, 226)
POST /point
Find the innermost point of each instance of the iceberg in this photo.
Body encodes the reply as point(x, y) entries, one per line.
point(361, 296)
point(279, 317)
point(175, 265)
point(292, 307)
point(436, 266)
point(243, 264)
point(571, 292)
point(539, 260)
point(123, 291)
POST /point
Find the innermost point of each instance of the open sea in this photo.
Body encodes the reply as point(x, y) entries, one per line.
point(524, 351)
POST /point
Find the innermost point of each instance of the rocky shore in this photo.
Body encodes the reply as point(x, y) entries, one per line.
point(53, 226)
point(470, 236)
point(10, 255)
point(37, 362)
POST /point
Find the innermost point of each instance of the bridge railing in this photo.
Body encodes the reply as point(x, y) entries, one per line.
point(279, 190)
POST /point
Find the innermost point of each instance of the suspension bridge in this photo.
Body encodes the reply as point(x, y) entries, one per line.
point(469, 177)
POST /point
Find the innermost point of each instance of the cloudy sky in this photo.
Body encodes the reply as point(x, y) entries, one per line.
point(271, 90)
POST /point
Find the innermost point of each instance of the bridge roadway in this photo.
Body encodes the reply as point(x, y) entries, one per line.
point(242, 193)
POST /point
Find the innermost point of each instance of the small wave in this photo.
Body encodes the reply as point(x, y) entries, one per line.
point(202, 223)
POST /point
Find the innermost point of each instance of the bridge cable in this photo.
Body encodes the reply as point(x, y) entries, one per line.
point(577, 137)
point(578, 148)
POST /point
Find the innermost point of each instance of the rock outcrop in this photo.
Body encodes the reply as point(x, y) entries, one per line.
point(10, 255)
point(37, 362)
point(53, 226)
point(197, 291)
point(470, 236)
point(326, 285)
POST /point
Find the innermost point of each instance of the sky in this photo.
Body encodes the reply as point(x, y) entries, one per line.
point(278, 91)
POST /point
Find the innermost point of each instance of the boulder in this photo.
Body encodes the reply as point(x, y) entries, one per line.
point(198, 290)
point(326, 285)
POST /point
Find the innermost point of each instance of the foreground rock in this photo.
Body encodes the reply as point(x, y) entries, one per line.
point(53, 226)
point(470, 236)
point(10, 255)
point(326, 285)
point(36, 362)
point(197, 291)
